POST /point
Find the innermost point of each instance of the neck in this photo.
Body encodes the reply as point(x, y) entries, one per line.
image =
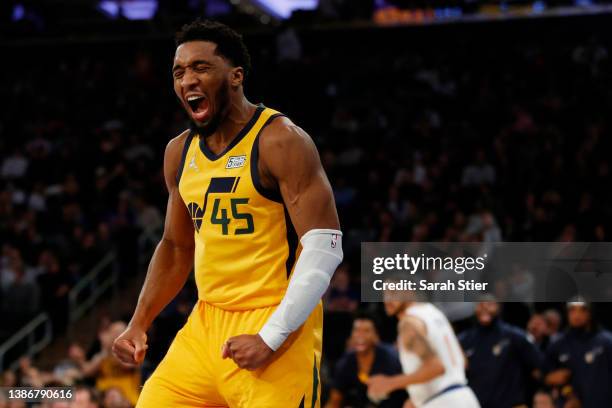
point(491, 325)
point(403, 309)
point(234, 118)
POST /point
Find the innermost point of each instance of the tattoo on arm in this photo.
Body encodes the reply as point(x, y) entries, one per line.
point(416, 342)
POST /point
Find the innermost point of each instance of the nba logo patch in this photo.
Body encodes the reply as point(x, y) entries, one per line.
point(334, 240)
point(235, 161)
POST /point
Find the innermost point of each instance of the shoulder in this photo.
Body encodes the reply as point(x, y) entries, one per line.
point(347, 360)
point(466, 336)
point(514, 331)
point(387, 359)
point(558, 343)
point(413, 324)
point(605, 337)
point(176, 144)
point(173, 156)
point(286, 150)
point(386, 351)
point(281, 134)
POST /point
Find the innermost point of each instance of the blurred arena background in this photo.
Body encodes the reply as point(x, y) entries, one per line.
point(458, 120)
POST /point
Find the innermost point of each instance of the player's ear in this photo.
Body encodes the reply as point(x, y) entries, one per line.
point(236, 77)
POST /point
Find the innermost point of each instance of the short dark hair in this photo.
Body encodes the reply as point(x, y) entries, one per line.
point(364, 315)
point(229, 43)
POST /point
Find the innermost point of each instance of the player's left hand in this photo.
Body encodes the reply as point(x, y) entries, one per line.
point(381, 386)
point(247, 350)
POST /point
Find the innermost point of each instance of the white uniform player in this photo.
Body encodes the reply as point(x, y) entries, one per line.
point(448, 389)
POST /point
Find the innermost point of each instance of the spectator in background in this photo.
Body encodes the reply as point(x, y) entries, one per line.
point(9, 379)
point(110, 373)
point(13, 265)
point(21, 300)
point(479, 172)
point(14, 166)
point(341, 296)
point(483, 227)
point(13, 403)
point(84, 398)
point(288, 45)
point(501, 360)
point(113, 398)
point(54, 286)
point(31, 376)
point(537, 327)
point(367, 357)
point(553, 321)
point(582, 358)
point(543, 399)
point(68, 370)
point(148, 217)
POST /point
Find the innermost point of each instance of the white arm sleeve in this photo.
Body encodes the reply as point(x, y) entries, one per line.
point(321, 254)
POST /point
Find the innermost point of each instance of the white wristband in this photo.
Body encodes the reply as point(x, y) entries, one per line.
point(321, 254)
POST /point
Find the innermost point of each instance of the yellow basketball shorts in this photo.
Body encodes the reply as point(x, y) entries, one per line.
point(193, 374)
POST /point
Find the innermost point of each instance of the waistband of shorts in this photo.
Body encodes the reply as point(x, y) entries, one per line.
point(450, 388)
point(203, 303)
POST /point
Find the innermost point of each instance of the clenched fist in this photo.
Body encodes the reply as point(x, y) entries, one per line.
point(131, 345)
point(248, 351)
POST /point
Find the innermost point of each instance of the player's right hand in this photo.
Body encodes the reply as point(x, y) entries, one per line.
point(131, 346)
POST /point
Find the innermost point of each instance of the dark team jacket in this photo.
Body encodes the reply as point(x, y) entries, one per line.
point(501, 360)
point(588, 355)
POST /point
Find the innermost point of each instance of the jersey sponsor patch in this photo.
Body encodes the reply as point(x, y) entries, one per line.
point(233, 162)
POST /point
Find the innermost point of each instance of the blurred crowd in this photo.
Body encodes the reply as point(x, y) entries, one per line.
point(454, 137)
point(96, 378)
point(72, 189)
point(562, 359)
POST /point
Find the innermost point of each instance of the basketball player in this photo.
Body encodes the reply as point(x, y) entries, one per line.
point(239, 181)
point(431, 358)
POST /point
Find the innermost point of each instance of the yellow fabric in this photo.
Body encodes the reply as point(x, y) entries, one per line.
point(112, 375)
point(192, 374)
point(240, 263)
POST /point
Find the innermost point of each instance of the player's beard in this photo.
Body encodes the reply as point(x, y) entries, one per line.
point(221, 108)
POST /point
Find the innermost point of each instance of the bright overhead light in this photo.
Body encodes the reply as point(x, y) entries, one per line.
point(284, 8)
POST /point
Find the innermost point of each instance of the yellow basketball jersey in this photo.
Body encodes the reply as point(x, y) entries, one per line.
point(245, 245)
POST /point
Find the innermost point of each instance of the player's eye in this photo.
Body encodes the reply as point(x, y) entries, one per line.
point(178, 73)
point(201, 68)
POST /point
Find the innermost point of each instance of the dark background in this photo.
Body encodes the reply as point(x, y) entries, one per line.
point(480, 131)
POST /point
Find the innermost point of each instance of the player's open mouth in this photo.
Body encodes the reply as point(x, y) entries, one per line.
point(199, 107)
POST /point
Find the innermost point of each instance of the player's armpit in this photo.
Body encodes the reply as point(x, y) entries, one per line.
point(289, 162)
